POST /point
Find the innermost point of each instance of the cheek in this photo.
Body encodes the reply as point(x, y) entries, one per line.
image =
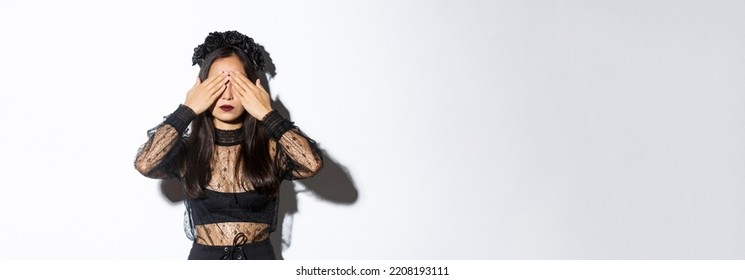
point(240, 109)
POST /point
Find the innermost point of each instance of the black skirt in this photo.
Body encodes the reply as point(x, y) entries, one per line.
point(261, 250)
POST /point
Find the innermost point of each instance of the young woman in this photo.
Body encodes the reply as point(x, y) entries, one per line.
point(236, 154)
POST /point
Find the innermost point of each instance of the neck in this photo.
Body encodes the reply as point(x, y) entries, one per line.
point(226, 125)
point(228, 137)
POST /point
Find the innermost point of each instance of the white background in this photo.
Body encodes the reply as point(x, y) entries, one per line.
point(452, 129)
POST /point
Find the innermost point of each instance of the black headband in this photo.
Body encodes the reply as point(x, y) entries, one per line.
point(216, 40)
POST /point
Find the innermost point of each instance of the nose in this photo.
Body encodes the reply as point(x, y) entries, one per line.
point(228, 93)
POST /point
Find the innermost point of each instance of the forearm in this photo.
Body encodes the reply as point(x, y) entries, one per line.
point(300, 156)
point(155, 158)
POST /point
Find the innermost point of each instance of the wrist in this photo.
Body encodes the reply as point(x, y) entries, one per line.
point(180, 118)
point(192, 107)
point(275, 124)
point(262, 115)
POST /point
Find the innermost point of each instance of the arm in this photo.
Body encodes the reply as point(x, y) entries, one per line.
point(295, 153)
point(159, 157)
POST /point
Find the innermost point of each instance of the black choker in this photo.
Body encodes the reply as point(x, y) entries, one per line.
point(228, 137)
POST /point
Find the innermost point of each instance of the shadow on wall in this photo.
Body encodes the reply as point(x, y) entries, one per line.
point(332, 183)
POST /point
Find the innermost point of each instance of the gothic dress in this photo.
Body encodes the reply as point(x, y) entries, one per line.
point(232, 220)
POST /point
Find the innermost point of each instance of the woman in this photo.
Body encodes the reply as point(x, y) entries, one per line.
point(237, 153)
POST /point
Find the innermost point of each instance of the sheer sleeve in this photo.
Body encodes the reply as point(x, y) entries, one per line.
point(158, 157)
point(296, 154)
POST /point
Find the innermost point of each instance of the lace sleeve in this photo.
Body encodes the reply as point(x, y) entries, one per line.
point(297, 154)
point(158, 157)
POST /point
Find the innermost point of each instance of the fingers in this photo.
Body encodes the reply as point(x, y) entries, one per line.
point(240, 86)
point(241, 81)
point(214, 83)
point(219, 87)
point(214, 78)
point(218, 93)
point(209, 80)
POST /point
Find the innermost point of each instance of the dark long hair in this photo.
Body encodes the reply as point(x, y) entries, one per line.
point(254, 159)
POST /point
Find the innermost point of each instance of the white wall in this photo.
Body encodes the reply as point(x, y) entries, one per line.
point(453, 129)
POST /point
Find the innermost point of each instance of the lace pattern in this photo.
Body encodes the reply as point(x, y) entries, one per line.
point(151, 160)
point(224, 175)
point(295, 153)
point(298, 154)
point(223, 234)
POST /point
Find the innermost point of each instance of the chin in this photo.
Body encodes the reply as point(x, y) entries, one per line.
point(227, 117)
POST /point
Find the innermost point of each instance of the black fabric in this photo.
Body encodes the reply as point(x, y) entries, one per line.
point(181, 118)
point(228, 137)
point(232, 208)
point(219, 207)
point(276, 124)
point(262, 250)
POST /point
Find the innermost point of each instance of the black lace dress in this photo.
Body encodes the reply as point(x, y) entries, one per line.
point(233, 220)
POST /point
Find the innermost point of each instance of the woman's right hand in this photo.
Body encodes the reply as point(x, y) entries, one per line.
point(203, 94)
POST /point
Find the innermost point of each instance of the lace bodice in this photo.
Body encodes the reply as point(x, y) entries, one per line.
point(232, 206)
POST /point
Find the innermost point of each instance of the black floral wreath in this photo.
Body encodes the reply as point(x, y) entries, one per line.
point(216, 40)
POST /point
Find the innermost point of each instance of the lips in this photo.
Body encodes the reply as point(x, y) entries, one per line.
point(226, 108)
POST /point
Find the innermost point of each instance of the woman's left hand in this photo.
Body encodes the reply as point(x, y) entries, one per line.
point(253, 97)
